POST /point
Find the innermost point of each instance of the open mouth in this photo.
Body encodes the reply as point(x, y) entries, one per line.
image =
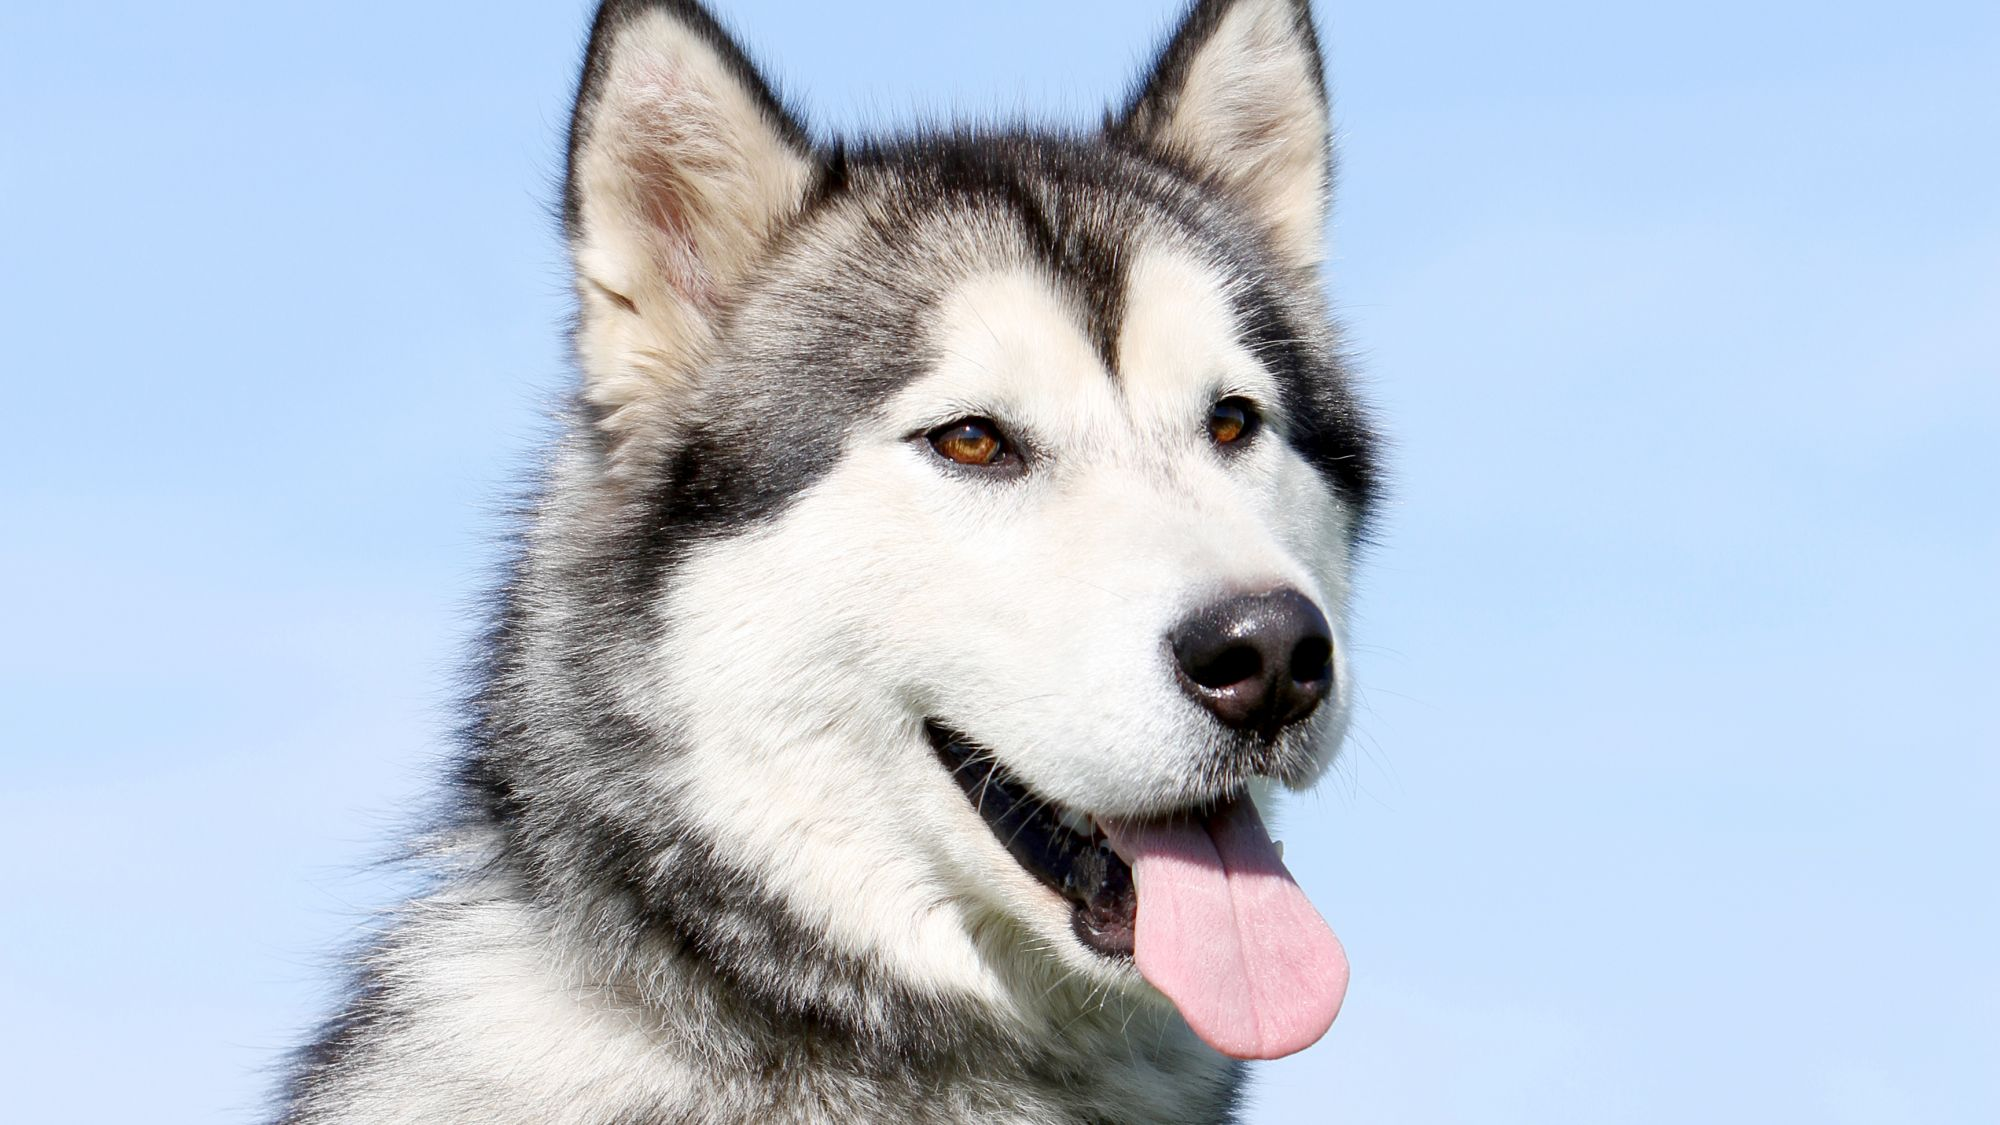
point(1067, 852)
point(1199, 899)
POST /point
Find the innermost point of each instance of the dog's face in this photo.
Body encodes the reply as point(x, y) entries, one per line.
point(997, 466)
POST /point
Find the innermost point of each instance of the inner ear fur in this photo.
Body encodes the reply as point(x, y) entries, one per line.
point(1238, 97)
point(683, 165)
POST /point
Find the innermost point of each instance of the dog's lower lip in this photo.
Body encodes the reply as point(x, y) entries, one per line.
point(1081, 868)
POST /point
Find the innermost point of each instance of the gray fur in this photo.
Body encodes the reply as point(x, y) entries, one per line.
point(587, 952)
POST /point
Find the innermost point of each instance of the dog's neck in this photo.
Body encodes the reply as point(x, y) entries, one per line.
point(697, 974)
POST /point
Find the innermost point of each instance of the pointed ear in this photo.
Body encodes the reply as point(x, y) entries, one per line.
point(1238, 98)
point(682, 166)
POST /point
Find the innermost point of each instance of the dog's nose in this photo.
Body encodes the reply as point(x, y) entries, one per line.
point(1259, 662)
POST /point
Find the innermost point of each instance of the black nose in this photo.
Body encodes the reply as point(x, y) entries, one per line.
point(1260, 662)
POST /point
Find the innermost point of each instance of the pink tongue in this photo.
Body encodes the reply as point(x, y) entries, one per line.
point(1228, 936)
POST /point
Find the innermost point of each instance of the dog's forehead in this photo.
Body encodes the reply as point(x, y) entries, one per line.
point(1017, 340)
point(911, 240)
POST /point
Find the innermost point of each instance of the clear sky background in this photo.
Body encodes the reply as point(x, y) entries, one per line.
point(1676, 791)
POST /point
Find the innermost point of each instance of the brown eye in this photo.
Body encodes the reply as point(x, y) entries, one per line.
point(1231, 420)
point(969, 441)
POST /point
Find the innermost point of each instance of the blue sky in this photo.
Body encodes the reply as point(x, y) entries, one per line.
point(1676, 791)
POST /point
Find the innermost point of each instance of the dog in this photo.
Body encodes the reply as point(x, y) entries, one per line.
point(947, 551)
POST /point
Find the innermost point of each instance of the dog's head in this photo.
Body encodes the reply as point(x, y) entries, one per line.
point(1006, 465)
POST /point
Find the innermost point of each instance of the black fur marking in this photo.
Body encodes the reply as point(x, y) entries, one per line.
point(832, 178)
point(1045, 182)
point(1086, 265)
point(1325, 422)
point(775, 422)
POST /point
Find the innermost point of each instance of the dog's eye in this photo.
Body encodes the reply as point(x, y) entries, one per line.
point(970, 441)
point(1231, 420)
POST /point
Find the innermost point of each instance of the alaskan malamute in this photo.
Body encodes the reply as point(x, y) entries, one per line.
point(948, 551)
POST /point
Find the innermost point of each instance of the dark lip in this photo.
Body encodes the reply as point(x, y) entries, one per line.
point(1082, 869)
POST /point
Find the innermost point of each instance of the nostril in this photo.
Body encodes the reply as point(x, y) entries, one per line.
point(1227, 668)
point(1312, 660)
point(1257, 662)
